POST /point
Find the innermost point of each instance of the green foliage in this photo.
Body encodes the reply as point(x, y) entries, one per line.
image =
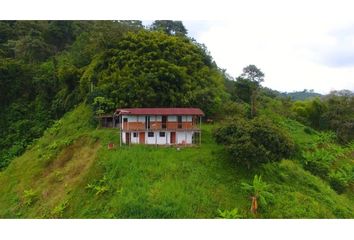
point(331, 112)
point(41, 63)
point(319, 162)
point(58, 210)
point(299, 194)
point(253, 142)
point(48, 68)
point(169, 27)
point(229, 214)
point(258, 189)
point(150, 182)
point(309, 130)
point(100, 186)
point(29, 197)
point(153, 69)
point(330, 162)
point(341, 178)
point(102, 105)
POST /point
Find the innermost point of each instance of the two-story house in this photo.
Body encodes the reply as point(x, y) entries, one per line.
point(160, 126)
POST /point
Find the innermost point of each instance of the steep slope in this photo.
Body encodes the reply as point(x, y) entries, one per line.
point(70, 173)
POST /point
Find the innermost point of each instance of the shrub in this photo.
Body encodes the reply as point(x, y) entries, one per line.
point(100, 186)
point(319, 162)
point(256, 141)
point(229, 214)
point(309, 130)
point(58, 211)
point(29, 197)
point(318, 168)
point(340, 179)
point(258, 189)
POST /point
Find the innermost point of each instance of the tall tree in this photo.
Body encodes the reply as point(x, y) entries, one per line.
point(255, 76)
point(169, 27)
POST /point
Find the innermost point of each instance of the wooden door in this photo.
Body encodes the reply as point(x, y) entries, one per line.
point(127, 138)
point(173, 137)
point(142, 138)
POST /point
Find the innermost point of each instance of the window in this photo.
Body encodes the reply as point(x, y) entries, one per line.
point(135, 135)
point(150, 134)
point(162, 134)
point(147, 122)
point(164, 120)
point(179, 120)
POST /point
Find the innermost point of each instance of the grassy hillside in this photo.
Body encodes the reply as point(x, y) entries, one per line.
point(70, 173)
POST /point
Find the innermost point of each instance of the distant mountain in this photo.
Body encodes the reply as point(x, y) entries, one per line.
point(302, 95)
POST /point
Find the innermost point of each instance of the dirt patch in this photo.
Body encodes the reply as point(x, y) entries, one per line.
point(67, 170)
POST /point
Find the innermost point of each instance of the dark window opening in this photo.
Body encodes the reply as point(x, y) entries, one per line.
point(150, 134)
point(179, 120)
point(147, 122)
point(164, 121)
point(162, 134)
point(135, 134)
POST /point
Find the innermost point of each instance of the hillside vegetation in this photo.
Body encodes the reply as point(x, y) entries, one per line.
point(70, 173)
point(290, 159)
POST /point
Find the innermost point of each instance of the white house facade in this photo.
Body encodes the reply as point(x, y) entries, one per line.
point(160, 126)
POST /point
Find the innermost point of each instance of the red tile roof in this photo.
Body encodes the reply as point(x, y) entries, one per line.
point(160, 111)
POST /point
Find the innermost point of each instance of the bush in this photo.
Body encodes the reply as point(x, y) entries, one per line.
point(319, 162)
point(309, 130)
point(253, 142)
point(340, 179)
point(229, 214)
point(29, 197)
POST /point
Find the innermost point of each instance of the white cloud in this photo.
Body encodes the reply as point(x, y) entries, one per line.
point(295, 50)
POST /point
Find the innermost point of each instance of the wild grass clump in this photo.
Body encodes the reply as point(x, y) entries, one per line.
point(29, 197)
point(298, 194)
point(99, 187)
point(229, 214)
point(58, 210)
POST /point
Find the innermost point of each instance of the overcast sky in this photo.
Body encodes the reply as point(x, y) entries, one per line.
point(294, 55)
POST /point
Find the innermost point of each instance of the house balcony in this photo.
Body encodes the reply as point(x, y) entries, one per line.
point(159, 126)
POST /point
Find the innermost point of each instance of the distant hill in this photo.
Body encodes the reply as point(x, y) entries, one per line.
point(301, 95)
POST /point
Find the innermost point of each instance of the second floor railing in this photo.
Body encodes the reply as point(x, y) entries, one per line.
point(159, 126)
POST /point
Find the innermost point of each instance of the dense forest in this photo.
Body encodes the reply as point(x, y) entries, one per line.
point(47, 67)
point(50, 68)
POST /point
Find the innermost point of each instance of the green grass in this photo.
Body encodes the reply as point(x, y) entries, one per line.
point(70, 173)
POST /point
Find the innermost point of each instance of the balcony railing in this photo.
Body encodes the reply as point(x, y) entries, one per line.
point(140, 126)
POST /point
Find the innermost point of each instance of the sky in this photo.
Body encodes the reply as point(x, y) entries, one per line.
point(294, 55)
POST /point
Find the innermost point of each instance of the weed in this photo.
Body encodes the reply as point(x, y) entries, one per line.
point(229, 214)
point(29, 197)
point(58, 211)
point(99, 187)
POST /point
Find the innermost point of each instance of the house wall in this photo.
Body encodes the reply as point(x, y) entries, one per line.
point(181, 138)
point(157, 139)
point(184, 137)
